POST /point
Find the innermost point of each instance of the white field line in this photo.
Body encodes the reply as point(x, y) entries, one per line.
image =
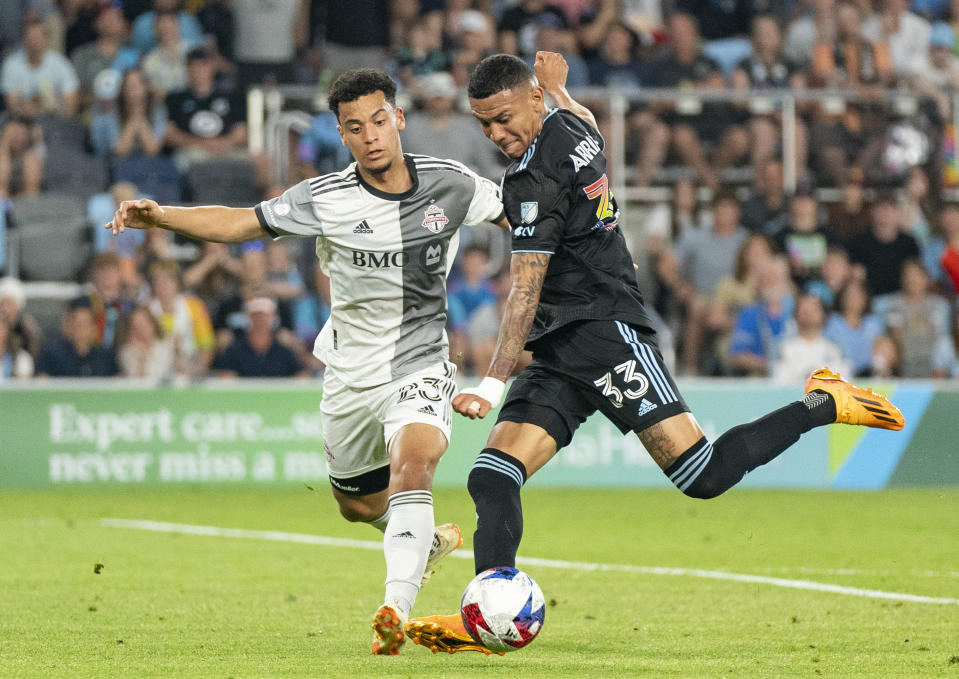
point(301, 538)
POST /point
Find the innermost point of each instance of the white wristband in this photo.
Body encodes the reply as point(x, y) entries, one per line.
point(490, 389)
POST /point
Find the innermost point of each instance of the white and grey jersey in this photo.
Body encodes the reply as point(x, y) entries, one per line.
point(387, 256)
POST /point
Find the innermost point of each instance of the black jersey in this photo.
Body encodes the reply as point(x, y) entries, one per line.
point(558, 201)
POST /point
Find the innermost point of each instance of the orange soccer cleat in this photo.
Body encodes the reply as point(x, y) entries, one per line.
point(443, 633)
point(388, 625)
point(855, 405)
point(446, 538)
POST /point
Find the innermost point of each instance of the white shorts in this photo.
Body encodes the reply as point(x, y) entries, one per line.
point(359, 424)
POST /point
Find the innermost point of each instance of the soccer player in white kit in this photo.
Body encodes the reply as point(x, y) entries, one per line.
point(387, 229)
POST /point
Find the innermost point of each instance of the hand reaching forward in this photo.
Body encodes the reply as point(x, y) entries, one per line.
point(136, 214)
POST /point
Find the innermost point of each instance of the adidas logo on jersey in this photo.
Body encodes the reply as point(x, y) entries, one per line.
point(645, 406)
point(426, 410)
point(363, 227)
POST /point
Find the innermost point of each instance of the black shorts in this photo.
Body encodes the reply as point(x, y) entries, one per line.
point(365, 484)
point(609, 366)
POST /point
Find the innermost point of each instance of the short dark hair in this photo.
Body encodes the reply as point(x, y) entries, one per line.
point(351, 85)
point(497, 73)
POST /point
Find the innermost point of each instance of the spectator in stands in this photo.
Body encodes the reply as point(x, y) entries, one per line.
point(728, 19)
point(767, 68)
point(808, 349)
point(916, 206)
point(127, 245)
point(354, 44)
point(835, 272)
point(473, 39)
point(760, 327)
point(616, 63)
point(76, 353)
point(442, 130)
point(283, 280)
point(937, 77)
point(422, 55)
point(853, 327)
point(920, 321)
point(15, 361)
point(257, 352)
point(23, 326)
point(941, 255)
point(267, 37)
point(733, 294)
point(183, 318)
point(313, 309)
point(518, 27)
point(552, 35)
point(802, 239)
point(907, 35)
point(886, 362)
point(165, 66)
point(135, 126)
point(204, 122)
point(320, 149)
point(476, 295)
point(108, 301)
point(144, 37)
point(143, 353)
point(816, 24)
point(849, 218)
point(705, 257)
point(693, 122)
point(100, 64)
point(215, 278)
point(22, 158)
point(884, 248)
point(765, 210)
point(36, 80)
point(848, 61)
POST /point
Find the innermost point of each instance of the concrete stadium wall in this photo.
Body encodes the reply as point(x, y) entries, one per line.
point(76, 433)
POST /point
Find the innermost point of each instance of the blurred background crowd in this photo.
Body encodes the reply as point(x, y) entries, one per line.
point(768, 242)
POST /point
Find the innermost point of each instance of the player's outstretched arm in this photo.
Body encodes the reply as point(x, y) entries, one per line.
point(528, 270)
point(551, 70)
point(211, 222)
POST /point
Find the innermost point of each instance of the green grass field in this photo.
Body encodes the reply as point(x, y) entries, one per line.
point(174, 605)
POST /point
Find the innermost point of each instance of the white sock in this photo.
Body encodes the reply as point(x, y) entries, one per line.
point(380, 522)
point(406, 546)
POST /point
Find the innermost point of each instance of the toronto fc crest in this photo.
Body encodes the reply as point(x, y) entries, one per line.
point(435, 219)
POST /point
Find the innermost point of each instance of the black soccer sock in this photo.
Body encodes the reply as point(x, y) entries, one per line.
point(494, 484)
point(710, 469)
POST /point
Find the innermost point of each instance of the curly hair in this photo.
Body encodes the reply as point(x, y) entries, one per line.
point(352, 85)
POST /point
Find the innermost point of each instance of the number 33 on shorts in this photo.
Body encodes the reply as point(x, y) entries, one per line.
point(636, 384)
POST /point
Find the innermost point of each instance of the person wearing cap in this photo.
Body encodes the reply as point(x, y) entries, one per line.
point(442, 126)
point(517, 29)
point(257, 352)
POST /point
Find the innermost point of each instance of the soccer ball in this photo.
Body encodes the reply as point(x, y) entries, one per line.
point(503, 609)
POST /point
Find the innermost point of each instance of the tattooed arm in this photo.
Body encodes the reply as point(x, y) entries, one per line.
point(528, 271)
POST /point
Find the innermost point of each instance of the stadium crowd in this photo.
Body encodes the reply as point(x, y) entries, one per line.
point(857, 268)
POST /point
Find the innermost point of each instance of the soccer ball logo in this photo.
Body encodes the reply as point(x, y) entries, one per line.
point(503, 609)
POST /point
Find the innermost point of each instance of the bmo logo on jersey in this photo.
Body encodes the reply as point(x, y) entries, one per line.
point(431, 257)
point(379, 260)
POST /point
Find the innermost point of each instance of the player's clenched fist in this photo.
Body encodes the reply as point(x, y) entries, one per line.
point(479, 400)
point(136, 214)
point(551, 70)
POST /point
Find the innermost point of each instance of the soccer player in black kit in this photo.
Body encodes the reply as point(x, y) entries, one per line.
point(575, 304)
